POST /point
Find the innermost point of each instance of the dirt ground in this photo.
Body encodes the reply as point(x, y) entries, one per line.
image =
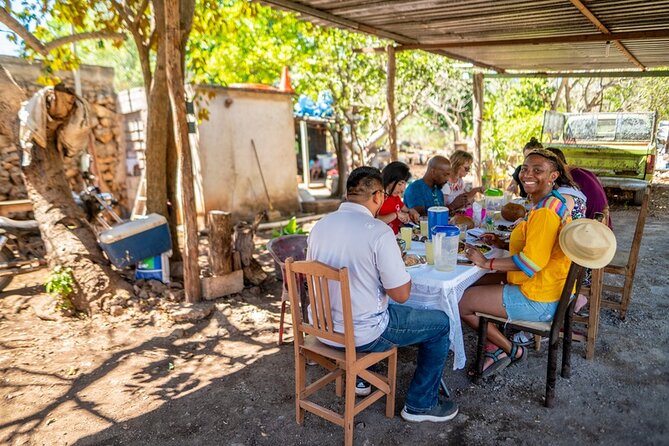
point(141, 379)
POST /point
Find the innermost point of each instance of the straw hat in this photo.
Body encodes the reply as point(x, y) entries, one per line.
point(588, 243)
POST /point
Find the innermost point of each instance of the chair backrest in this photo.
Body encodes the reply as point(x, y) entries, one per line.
point(574, 278)
point(294, 245)
point(638, 232)
point(318, 277)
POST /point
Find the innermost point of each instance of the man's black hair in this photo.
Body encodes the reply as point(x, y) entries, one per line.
point(363, 180)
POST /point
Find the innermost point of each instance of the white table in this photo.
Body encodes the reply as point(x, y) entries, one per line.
point(438, 290)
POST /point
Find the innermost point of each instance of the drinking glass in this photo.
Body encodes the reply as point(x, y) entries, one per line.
point(429, 252)
point(406, 234)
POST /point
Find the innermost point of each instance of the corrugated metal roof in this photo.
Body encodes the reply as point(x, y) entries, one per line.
point(449, 22)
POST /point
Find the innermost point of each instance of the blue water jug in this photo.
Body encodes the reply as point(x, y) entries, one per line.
point(436, 216)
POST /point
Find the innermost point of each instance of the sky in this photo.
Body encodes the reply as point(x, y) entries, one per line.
point(7, 47)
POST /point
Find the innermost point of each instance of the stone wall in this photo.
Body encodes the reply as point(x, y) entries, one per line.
point(98, 91)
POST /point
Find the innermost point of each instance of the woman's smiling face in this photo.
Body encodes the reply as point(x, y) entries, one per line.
point(538, 175)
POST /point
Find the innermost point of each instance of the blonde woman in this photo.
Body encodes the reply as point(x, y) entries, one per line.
point(455, 195)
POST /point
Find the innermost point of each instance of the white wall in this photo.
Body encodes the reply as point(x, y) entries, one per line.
point(231, 177)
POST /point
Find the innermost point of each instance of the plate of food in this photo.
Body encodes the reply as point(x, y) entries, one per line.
point(413, 261)
point(462, 257)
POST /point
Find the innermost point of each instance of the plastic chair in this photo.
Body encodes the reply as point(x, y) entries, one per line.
point(280, 249)
point(346, 363)
point(563, 316)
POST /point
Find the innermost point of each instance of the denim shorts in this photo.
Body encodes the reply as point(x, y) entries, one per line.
point(519, 307)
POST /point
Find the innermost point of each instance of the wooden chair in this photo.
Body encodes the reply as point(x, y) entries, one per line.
point(624, 264)
point(346, 363)
point(563, 316)
point(280, 248)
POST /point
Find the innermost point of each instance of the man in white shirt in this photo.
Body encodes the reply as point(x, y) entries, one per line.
point(354, 238)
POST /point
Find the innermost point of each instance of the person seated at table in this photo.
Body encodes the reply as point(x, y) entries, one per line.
point(393, 211)
point(535, 271)
point(426, 192)
point(461, 163)
point(352, 237)
point(516, 185)
point(590, 186)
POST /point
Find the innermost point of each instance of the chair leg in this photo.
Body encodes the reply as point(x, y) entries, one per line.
point(551, 371)
point(392, 378)
point(349, 407)
point(566, 342)
point(594, 308)
point(627, 294)
point(537, 343)
point(300, 381)
point(281, 320)
point(483, 333)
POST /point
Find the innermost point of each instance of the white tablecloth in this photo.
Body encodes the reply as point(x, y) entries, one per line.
point(438, 290)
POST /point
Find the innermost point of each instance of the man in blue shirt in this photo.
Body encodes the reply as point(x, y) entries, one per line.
point(426, 192)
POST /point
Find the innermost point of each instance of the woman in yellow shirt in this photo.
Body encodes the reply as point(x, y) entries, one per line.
point(537, 268)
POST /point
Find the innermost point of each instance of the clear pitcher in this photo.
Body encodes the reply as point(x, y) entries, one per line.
point(445, 244)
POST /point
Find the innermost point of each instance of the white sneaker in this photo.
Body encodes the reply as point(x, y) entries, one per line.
point(362, 387)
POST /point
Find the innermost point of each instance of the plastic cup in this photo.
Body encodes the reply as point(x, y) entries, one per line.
point(429, 252)
point(463, 231)
point(424, 232)
point(406, 234)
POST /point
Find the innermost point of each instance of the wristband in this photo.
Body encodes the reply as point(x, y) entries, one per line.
point(491, 261)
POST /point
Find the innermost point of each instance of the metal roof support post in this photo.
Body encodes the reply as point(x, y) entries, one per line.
point(478, 121)
point(390, 101)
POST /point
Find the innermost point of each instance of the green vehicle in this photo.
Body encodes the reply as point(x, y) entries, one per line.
point(618, 147)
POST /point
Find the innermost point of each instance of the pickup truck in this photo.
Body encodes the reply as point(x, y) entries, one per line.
point(618, 147)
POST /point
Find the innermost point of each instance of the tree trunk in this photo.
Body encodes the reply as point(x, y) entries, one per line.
point(390, 101)
point(479, 95)
point(158, 128)
point(67, 236)
point(172, 42)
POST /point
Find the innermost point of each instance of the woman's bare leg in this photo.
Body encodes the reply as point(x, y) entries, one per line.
point(485, 299)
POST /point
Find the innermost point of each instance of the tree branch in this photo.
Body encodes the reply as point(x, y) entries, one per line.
point(44, 49)
point(16, 26)
point(60, 41)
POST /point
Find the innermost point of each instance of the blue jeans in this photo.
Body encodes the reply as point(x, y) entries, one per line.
point(429, 330)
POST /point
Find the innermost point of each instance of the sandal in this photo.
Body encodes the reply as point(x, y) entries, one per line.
point(514, 352)
point(498, 363)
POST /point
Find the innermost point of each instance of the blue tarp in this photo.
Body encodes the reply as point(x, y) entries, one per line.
point(322, 108)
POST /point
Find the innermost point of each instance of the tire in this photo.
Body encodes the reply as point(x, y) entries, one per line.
point(638, 197)
point(5, 256)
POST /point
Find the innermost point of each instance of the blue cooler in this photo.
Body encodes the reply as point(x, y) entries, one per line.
point(133, 241)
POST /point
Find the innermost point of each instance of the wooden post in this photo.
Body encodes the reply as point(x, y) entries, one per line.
point(390, 100)
point(219, 224)
point(478, 122)
point(177, 95)
point(244, 233)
